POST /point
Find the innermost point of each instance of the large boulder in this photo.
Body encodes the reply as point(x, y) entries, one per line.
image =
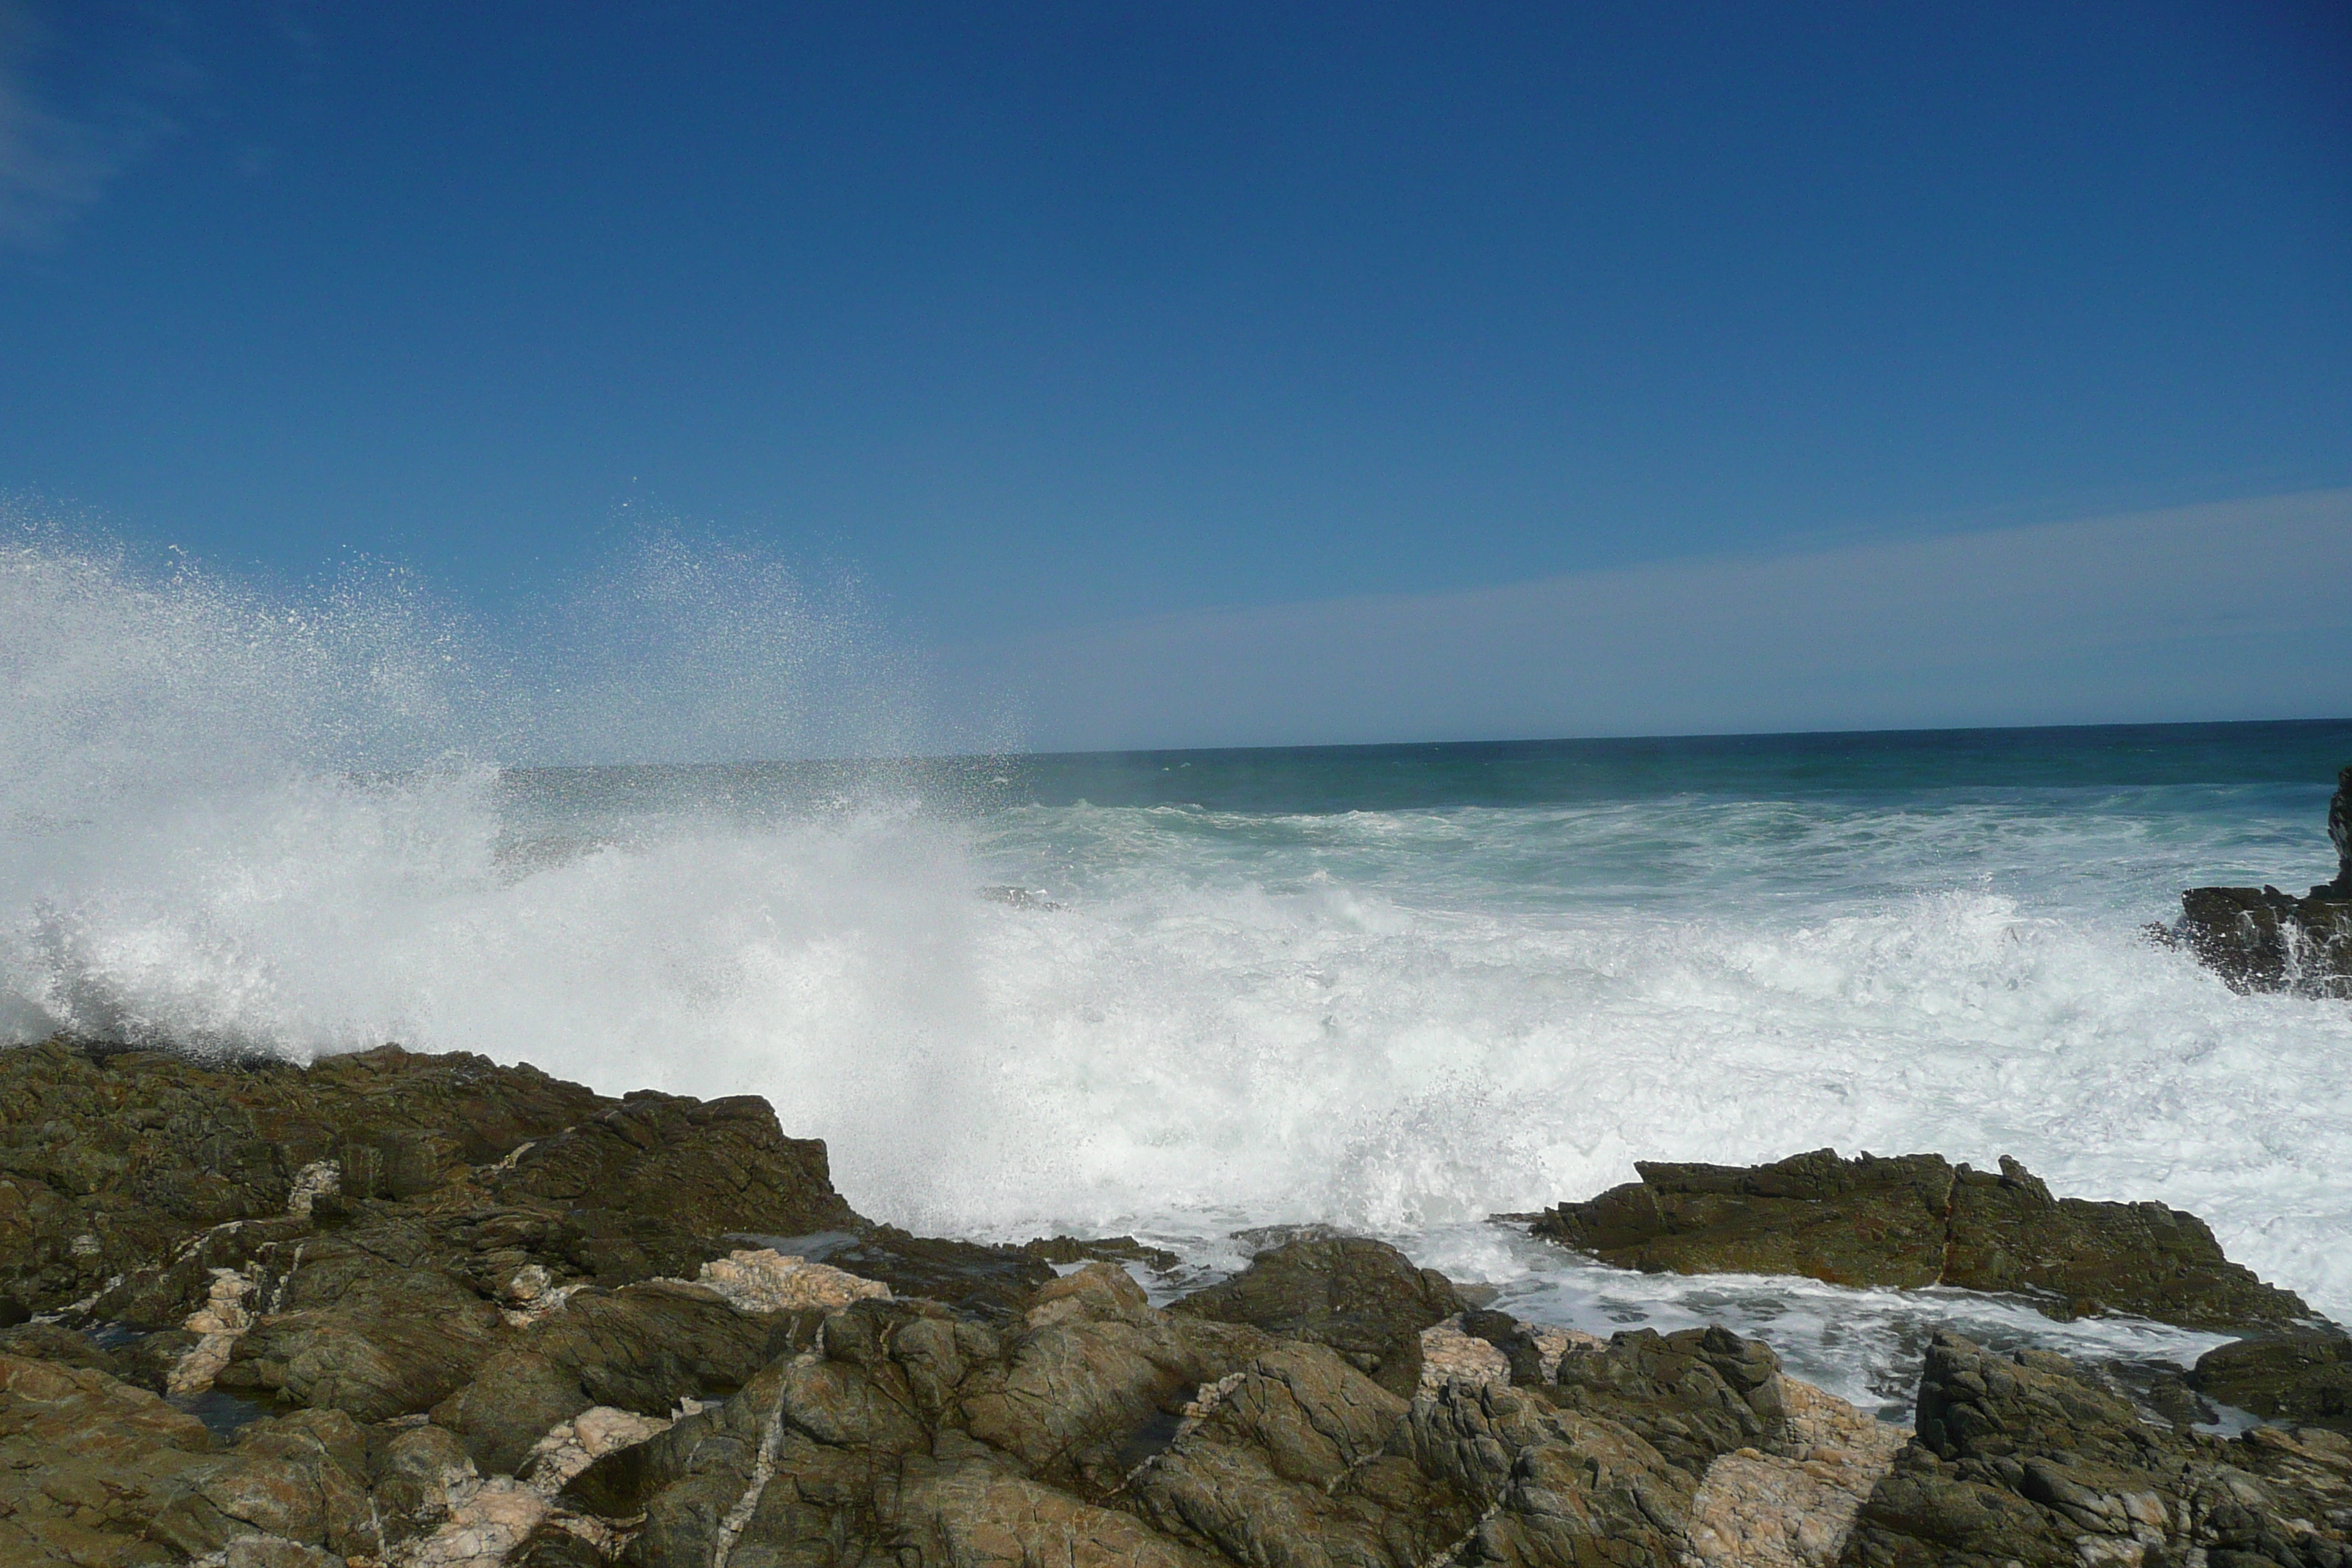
point(2010, 1234)
point(1865, 1221)
point(705, 1168)
point(1364, 1298)
point(1693, 1396)
point(1917, 1221)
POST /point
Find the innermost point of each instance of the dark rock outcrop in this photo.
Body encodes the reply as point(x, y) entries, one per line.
point(2302, 1378)
point(109, 1158)
point(94, 1472)
point(1693, 1396)
point(2028, 1459)
point(1364, 1298)
point(2339, 837)
point(1917, 1221)
point(1101, 1431)
point(2260, 939)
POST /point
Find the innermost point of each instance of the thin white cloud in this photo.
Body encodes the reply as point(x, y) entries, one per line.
point(2232, 610)
point(53, 165)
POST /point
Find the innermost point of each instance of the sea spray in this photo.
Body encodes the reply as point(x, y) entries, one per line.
point(239, 821)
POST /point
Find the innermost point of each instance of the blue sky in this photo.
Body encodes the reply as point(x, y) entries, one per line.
point(1049, 322)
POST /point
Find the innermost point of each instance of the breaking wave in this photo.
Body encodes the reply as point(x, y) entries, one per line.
point(232, 820)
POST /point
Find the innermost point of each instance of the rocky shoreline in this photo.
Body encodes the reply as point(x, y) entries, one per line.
point(423, 1312)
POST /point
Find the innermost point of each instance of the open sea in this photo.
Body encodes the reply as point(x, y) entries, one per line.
point(1391, 989)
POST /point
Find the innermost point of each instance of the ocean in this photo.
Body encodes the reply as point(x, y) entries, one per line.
point(1389, 989)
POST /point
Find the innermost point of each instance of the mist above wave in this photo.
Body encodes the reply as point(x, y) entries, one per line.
point(233, 818)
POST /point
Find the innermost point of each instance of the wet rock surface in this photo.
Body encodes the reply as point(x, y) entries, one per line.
point(2260, 939)
point(2303, 1378)
point(647, 1332)
point(1917, 1221)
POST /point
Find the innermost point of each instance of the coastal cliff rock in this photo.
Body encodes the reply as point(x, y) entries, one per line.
point(1916, 1221)
point(2260, 939)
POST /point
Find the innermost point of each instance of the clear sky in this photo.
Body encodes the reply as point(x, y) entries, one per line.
point(1049, 320)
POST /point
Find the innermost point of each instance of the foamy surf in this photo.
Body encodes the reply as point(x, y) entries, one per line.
point(234, 824)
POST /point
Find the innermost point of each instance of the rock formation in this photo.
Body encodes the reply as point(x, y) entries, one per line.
point(1916, 1220)
point(2260, 939)
point(2029, 1460)
point(402, 1311)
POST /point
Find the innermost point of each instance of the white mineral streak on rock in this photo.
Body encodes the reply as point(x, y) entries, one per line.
point(1205, 1400)
point(531, 1295)
point(1760, 1510)
point(487, 1520)
point(219, 1322)
point(318, 1176)
point(1552, 1343)
point(761, 1279)
point(763, 1469)
point(267, 1552)
point(1449, 1355)
point(570, 1447)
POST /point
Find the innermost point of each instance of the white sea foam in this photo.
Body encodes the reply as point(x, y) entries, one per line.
point(1395, 1021)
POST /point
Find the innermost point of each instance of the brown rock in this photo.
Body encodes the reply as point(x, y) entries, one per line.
point(2028, 1458)
point(2302, 1378)
point(110, 1158)
point(1863, 1221)
point(1364, 1298)
point(1917, 1221)
point(2009, 1234)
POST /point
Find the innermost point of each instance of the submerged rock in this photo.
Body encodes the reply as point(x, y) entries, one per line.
point(1919, 1221)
